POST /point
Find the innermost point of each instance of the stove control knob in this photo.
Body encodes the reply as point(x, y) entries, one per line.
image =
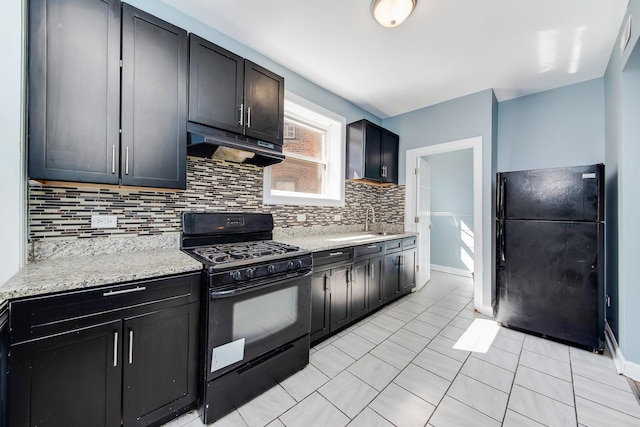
point(248, 273)
point(236, 275)
point(271, 269)
point(298, 263)
point(290, 265)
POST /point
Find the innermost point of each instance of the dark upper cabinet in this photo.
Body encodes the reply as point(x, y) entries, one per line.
point(79, 101)
point(74, 90)
point(264, 99)
point(372, 152)
point(154, 101)
point(216, 86)
point(234, 94)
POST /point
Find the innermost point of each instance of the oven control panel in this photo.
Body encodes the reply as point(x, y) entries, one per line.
point(261, 271)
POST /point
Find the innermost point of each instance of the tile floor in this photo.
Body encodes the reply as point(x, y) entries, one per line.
point(400, 367)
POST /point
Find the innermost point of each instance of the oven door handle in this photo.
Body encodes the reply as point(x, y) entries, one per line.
point(227, 293)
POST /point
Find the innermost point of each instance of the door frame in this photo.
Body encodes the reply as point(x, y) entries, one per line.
point(474, 143)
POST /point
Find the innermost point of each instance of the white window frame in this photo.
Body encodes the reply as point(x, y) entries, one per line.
point(298, 108)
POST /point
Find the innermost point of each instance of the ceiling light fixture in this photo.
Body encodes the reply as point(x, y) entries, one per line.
point(391, 13)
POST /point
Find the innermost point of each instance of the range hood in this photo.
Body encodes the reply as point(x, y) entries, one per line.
point(204, 141)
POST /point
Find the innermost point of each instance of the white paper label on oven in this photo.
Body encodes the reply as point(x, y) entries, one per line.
point(228, 354)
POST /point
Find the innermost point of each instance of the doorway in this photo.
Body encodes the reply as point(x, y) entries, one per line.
point(419, 217)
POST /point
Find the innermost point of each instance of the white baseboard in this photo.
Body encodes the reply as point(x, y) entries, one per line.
point(623, 366)
point(450, 270)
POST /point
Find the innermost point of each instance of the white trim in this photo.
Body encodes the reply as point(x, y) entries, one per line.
point(334, 195)
point(474, 143)
point(623, 366)
point(451, 270)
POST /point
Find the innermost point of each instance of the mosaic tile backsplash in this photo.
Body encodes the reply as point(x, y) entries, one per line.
point(212, 185)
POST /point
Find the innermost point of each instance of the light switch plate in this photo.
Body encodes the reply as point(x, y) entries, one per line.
point(301, 217)
point(337, 217)
point(104, 221)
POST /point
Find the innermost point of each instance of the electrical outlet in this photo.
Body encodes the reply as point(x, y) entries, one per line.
point(337, 217)
point(104, 221)
point(301, 217)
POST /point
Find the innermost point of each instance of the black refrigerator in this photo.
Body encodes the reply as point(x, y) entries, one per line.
point(550, 253)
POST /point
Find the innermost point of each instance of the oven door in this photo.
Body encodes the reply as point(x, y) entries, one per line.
point(252, 321)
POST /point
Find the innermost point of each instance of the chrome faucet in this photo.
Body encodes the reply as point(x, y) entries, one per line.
point(373, 217)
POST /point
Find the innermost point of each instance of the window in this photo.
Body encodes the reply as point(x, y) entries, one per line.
point(312, 173)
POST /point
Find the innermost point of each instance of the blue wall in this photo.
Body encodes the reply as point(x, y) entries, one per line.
point(556, 128)
point(461, 118)
point(452, 204)
point(622, 151)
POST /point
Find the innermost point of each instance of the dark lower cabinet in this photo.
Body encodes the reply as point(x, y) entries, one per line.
point(408, 271)
point(349, 283)
point(391, 281)
point(159, 368)
point(360, 289)
point(72, 379)
point(340, 297)
point(4, 354)
point(375, 289)
point(320, 305)
point(137, 366)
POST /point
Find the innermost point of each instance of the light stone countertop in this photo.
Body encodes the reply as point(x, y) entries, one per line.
point(334, 241)
point(76, 272)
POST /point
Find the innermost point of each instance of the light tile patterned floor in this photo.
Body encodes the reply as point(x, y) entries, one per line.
point(398, 367)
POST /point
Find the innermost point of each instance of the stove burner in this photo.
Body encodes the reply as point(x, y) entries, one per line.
point(220, 254)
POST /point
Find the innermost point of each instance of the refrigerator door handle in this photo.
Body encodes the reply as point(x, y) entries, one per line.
point(501, 241)
point(502, 182)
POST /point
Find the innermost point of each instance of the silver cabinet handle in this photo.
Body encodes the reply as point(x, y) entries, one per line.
point(372, 271)
point(372, 246)
point(248, 117)
point(115, 349)
point(130, 346)
point(335, 253)
point(124, 291)
point(241, 122)
point(126, 162)
point(113, 159)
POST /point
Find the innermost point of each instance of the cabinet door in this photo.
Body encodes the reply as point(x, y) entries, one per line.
point(340, 297)
point(372, 150)
point(264, 103)
point(74, 90)
point(160, 363)
point(72, 379)
point(359, 286)
point(389, 157)
point(408, 271)
point(216, 86)
point(320, 307)
point(391, 276)
point(375, 290)
point(154, 101)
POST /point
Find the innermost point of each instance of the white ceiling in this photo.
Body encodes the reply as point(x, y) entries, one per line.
point(446, 49)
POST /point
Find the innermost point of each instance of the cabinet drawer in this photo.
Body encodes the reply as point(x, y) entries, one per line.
point(368, 251)
point(393, 246)
point(49, 314)
point(334, 258)
point(409, 243)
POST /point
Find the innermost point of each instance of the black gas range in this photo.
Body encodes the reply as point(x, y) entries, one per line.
point(256, 316)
